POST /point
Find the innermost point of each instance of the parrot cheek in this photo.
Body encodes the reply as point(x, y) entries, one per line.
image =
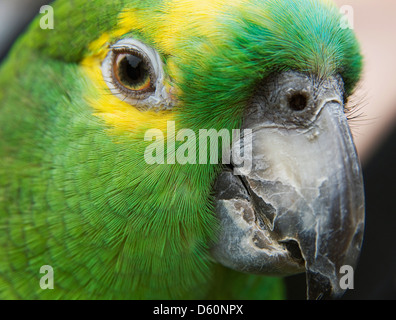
point(301, 206)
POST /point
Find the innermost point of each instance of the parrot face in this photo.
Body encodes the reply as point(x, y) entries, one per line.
point(78, 194)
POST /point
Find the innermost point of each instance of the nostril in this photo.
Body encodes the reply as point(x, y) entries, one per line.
point(298, 101)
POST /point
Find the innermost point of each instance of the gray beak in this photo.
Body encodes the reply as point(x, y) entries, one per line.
point(299, 204)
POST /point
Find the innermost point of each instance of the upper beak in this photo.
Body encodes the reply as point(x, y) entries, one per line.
point(300, 206)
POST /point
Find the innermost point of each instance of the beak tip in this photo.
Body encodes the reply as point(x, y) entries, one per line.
point(320, 287)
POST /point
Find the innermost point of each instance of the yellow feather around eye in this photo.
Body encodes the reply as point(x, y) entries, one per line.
point(164, 28)
point(119, 115)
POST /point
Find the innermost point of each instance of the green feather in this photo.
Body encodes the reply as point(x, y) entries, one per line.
point(82, 200)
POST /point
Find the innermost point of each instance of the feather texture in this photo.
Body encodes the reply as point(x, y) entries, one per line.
point(75, 192)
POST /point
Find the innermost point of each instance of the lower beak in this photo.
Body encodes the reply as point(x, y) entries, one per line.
point(300, 207)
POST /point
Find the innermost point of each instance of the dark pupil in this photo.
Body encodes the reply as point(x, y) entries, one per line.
point(132, 71)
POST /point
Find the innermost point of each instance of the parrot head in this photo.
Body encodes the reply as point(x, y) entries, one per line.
point(111, 72)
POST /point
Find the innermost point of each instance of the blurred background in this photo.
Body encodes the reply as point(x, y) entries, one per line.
point(374, 132)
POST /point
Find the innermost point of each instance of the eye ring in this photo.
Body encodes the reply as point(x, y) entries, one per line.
point(144, 86)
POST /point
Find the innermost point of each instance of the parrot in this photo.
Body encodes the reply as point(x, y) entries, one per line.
point(81, 198)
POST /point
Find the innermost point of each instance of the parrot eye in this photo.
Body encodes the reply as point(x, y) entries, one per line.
point(133, 72)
